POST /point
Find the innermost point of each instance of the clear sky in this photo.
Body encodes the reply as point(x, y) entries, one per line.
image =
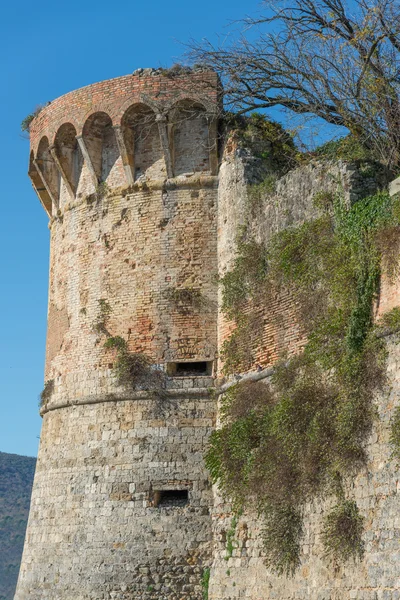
point(47, 49)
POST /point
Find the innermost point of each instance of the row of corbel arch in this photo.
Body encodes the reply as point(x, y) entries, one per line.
point(144, 145)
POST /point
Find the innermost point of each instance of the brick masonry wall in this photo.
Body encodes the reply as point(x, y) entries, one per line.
point(132, 251)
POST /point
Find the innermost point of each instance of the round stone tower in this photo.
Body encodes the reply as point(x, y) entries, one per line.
point(127, 171)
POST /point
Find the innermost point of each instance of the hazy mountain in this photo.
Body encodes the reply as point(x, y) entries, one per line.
point(16, 477)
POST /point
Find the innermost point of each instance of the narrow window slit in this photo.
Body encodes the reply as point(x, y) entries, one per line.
point(170, 498)
point(189, 369)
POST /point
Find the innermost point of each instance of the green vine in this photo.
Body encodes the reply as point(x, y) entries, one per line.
point(133, 370)
point(205, 582)
point(283, 445)
point(230, 538)
point(257, 192)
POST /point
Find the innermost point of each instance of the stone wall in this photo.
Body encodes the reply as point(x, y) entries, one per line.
point(141, 228)
point(376, 488)
point(376, 491)
point(94, 532)
point(291, 203)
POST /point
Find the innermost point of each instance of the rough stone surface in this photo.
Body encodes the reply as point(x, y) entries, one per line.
point(376, 489)
point(93, 531)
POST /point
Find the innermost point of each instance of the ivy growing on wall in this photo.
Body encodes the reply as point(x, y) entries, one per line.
point(284, 444)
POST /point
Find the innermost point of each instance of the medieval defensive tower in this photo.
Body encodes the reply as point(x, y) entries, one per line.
point(126, 170)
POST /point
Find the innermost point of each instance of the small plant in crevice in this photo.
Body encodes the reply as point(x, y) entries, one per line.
point(46, 393)
point(395, 434)
point(102, 190)
point(389, 322)
point(324, 200)
point(346, 148)
point(205, 582)
point(283, 445)
point(106, 241)
point(257, 192)
point(100, 326)
point(26, 122)
point(230, 537)
point(134, 370)
point(342, 532)
point(266, 139)
point(176, 70)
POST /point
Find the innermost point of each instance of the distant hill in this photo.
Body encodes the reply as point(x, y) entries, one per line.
point(16, 478)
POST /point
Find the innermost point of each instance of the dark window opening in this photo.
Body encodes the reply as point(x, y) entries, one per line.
point(189, 369)
point(168, 498)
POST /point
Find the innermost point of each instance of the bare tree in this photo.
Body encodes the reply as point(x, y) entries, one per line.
point(335, 60)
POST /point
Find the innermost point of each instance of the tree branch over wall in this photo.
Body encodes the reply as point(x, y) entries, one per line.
point(328, 58)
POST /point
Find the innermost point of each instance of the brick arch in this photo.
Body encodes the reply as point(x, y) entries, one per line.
point(67, 151)
point(46, 166)
point(57, 124)
point(156, 107)
point(189, 136)
point(99, 108)
point(101, 143)
point(208, 106)
point(142, 141)
point(38, 185)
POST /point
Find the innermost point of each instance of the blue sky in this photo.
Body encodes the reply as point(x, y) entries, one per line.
point(47, 49)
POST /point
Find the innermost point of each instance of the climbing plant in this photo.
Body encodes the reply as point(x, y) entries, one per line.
point(286, 443)
point(133, 370)
point(46, 393)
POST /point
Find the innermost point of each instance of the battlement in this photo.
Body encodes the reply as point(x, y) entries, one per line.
point(152, 125)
